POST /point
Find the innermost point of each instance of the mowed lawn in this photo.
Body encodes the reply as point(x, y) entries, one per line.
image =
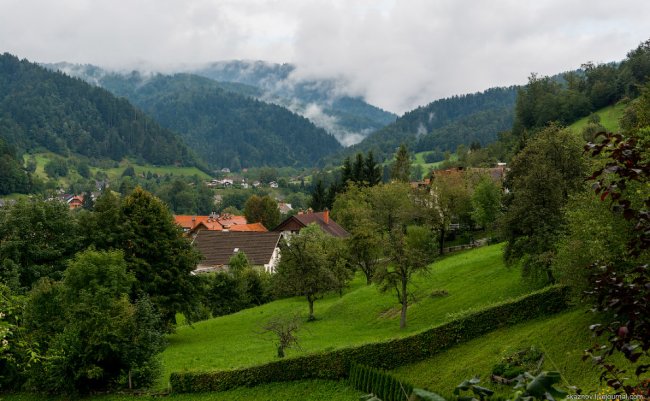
point(562, 338)
point(361, 315)
point(305, 390)
point(609, 118)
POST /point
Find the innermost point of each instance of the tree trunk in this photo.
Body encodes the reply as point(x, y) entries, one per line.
point(311, 309)
point(405, 302)
point(549, 275)
point(442, 240)
point(280, 351)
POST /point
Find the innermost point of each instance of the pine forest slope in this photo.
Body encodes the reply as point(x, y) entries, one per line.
point(41, 109)
point(323, 101)
point(446, 123)
point(225, 128)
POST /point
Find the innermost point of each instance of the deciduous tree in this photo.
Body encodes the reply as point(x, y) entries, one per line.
point(262, 210)
point(305, 267)
point(541, 179)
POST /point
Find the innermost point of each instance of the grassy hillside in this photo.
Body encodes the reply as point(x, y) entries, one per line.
point(113, 173)
point(609, 118)
point(42, 109)
point(362, 315)
point(562, 339)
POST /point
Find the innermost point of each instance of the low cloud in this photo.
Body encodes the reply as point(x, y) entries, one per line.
point(397, 55)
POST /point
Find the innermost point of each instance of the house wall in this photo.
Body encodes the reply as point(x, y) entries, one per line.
point(273, 263)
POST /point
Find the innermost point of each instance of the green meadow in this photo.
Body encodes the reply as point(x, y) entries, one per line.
point(362, 315)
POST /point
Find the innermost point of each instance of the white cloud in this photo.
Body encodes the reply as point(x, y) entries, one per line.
point(397, 54)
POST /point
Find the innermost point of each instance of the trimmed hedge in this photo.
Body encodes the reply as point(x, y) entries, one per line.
point(378, 382)
point(389, 354)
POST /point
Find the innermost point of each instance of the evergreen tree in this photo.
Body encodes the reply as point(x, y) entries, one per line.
point(401, 169)
point(358, 169)
point(372, 171)
point(159, 256)
point(318, 197)
point(346, 171)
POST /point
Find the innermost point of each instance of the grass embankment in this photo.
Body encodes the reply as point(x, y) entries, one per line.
point(113, 173)
point(562, 339)
point(306, 390)
point(426, 167)
point(362, 315)
point(609, 118)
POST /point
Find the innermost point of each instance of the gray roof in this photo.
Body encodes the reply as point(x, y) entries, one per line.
point(217, 247)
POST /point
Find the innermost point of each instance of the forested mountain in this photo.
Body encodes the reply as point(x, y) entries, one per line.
point(349, 119)
point(579, 93)
point(13, 178)
point(446, 123)
point(225, 128)
point(41, 109)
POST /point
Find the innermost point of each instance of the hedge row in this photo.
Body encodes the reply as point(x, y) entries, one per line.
point(385, 355)
point(379, 383)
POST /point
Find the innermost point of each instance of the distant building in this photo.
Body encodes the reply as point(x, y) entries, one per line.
point(192, 224)
point(301, 220)
point(285, 208)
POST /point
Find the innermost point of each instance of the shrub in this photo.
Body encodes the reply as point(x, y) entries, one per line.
point(385, 355)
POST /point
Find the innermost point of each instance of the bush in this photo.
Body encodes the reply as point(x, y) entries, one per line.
point(385, 355)
point(91, 336)
point(56, 168)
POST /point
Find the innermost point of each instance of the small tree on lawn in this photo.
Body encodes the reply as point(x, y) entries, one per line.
point(304, 268)
point(365, 245)
point(410, 253)
point(284, 329)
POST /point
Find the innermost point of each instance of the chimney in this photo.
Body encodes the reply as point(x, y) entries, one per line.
point(326, 216)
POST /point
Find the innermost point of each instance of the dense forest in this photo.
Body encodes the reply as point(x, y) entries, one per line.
point(41, 109)
point(13, 178)
point(225, 128)
point(579, 93)
point(446, 123)
point(345, 115)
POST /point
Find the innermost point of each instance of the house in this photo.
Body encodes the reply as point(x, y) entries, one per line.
point(284, 208)
point(301, 220)
point(75, 201)
point(214, 225)
point(217, 247)
point(192, 224)
point(273, 184)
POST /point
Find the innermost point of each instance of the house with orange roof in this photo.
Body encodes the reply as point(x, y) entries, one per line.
point(76, 201)
point(192, 224)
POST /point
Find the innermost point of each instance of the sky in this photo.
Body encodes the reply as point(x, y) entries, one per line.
point(396, 54)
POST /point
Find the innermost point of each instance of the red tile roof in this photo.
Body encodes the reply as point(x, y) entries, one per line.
point(213, 222)
point(252, 227)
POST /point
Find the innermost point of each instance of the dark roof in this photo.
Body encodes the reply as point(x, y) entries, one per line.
point(305, 219)
point(217, 247)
